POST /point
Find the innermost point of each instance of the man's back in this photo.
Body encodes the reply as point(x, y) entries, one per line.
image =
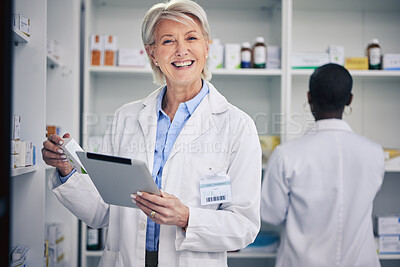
point(326, 182)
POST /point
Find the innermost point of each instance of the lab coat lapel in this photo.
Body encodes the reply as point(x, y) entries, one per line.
point(148, 123)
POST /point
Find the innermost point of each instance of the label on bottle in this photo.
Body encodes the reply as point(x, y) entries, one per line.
point(374, 57)
point(260, 56)
point(245, 59)
point(92, 237)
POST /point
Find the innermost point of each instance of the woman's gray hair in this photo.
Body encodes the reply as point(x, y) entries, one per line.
point(178, 10)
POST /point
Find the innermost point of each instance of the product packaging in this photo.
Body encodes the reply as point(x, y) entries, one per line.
point(356, 63)
point(110, 50)
point(70, 147)
point(16, 130)
point(97, 50)
point(388, 225)
point(232, 56)
point(273, 57)
point(23, 24)
point(309, 60)
point(391, 62)
point(216, 55)
point(336, 54)
point(132, 57)
point(389, 244)
point(21, 157)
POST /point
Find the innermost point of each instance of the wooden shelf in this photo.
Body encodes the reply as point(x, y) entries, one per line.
point(19, 37)
point(23, 170)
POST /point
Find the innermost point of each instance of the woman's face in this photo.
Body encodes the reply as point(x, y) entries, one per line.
point(180, 50)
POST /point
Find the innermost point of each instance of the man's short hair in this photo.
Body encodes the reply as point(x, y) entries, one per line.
point(330, 87)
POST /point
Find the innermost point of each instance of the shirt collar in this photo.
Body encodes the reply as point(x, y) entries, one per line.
point(333, 124)
point(191, 104)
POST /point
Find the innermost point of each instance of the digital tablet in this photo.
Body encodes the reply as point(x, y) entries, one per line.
point(116, 178)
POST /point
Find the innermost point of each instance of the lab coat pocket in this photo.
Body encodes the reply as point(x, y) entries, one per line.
point(196, 166)
point(111, 259)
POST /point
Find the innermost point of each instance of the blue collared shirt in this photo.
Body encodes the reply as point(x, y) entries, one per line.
point(167, 133)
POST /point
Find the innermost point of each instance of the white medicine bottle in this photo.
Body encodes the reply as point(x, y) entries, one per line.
point(259, 53)
point(374, 54)
point(245, 56)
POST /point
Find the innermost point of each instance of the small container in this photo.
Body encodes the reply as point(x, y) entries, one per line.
point(245, 56)
point(259, 53)
point(374, 54)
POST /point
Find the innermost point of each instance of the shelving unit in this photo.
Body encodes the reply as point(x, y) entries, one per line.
point(53, 62)
point(32, 204)
point(23, 170)
point(19, 36)
point(270, 97)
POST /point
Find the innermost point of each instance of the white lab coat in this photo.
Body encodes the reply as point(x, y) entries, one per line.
point(321, 186)
point(218, 136)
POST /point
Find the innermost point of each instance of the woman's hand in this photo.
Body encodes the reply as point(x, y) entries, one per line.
point(54, 156)
point(167, 208)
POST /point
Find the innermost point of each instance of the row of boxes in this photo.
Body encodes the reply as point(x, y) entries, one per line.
point(22, 152)
point(104, 52)
point(388, 230)
point(335, 54)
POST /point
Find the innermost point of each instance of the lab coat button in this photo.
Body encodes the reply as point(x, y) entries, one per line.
point(142, 226)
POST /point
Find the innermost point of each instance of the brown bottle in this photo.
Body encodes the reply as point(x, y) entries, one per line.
point(259, 53)
point(374, 54)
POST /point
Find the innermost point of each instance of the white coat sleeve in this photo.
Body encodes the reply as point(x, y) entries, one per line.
point(237, 223)
point(275, 190)
point(80, 196)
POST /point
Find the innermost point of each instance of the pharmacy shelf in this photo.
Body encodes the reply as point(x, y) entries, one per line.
point(19, 36)
point(23, 170)
point(354, 73)
point(392, 169)
point(389, 256)
point(94, 253)
point(251, 255)
point(240, 72)
point(53, 62)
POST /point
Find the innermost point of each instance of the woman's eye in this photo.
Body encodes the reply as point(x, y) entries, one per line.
point(167, 42)
point(192, 38)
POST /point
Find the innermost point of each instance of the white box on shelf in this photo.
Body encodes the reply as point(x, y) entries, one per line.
point(216, 55)
point(131, 57)
point(391, 62)
point(273, 57)
point(13, 161)
point(388, 225)
point(29, 154)
point(389, 244)
point(15, 147)
point(16, 132)
point(336, 54)
point(70, 147)
point(309, 60)
point(53, 49)
point(24, 25)
point(110, 50)
point(232, 56)
point(21, 157)
point(97, 49)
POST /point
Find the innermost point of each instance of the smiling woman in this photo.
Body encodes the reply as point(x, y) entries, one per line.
point(210, 198)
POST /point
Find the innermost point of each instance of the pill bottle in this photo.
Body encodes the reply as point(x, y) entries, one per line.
point(245, 56)
point(374, 54)
point(259, 53)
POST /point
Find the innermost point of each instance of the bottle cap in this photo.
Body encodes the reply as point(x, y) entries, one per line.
point(374, 41)
point(260, 39)
point(245, 45)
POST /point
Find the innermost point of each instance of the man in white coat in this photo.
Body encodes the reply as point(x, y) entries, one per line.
point(322, 186)
point(203, 153)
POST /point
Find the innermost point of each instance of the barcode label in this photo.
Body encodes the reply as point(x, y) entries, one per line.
point(217, 198)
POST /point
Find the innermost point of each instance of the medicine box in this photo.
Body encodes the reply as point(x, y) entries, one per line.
point(216, 55)
point(29, 154)
point(232, 56)
point(53, 49)
point(22, 23)
point(273, 57)
point(110, 50)
point(388, 225)
point(391, 62)
point(70, 147)
point(20, 158)
point(97, 49)
point(336, 54)
point(309, 60)
point(15, 147)
point(16, 130)
point(132, 57)
point(356, 63)
point(389, 244)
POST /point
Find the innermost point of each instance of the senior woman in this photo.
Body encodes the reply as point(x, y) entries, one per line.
point(203, 154)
